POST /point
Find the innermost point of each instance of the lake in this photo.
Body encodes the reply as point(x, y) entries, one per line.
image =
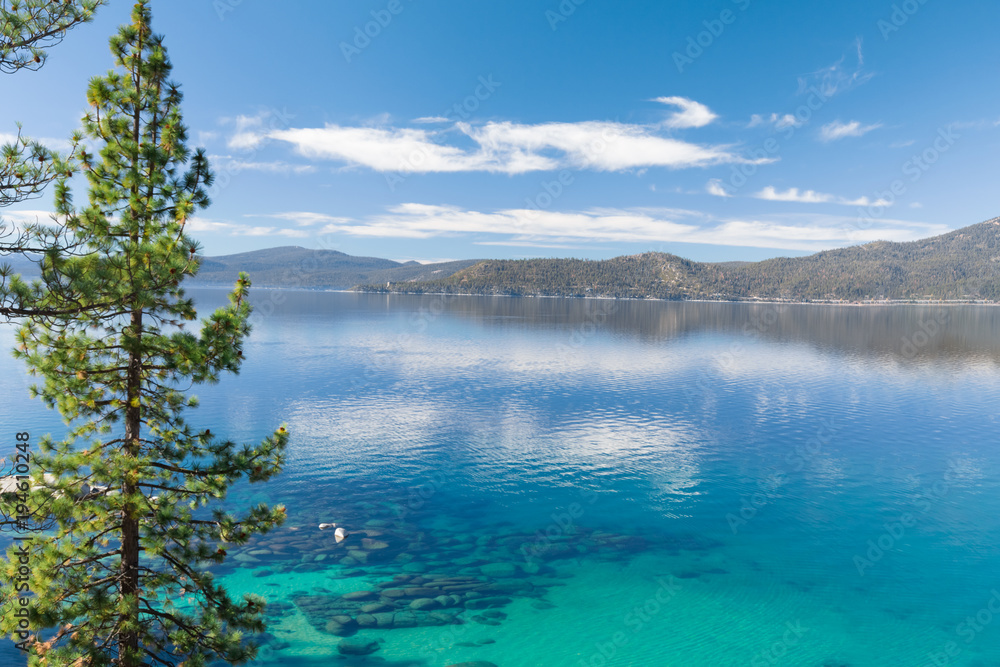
point(620, 483)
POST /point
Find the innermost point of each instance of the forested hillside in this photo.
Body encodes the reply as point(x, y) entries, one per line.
point(964, 264)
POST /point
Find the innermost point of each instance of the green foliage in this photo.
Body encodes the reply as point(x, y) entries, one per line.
point(964, 264)
point(134, 491)
point(29, 27)
point(26, 168)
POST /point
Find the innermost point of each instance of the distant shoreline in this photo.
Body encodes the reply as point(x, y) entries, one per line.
point(763, 302)
point(890, 302)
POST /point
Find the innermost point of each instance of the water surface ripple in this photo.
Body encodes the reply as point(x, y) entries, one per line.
point(617, 483)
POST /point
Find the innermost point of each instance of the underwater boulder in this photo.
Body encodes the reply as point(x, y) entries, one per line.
point(357, 647)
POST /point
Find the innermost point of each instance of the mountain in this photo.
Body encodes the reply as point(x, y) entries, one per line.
point(964, 264)
point(291, 266)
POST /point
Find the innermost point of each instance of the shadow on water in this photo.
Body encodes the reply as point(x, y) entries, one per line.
point(903, 332)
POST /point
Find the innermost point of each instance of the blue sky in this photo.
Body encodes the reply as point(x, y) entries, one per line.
point(409, 129)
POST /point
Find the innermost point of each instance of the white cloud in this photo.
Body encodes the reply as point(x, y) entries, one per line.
point(865, 201)
point(691, 114)
point(205, 225)
point(714, 187)
point(60, 145)
point(838, 130)
point(17, 220)
point(277, 167)
point(793, 195)
point(779, 122)
point(249, 133)
point(770, 193)
point(431, 120)
point(534, 228)
point(307, 219)
point(506, 147)
point(529, 244)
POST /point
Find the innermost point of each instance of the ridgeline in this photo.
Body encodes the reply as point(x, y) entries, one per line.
point(295, 267)
point(960, 265)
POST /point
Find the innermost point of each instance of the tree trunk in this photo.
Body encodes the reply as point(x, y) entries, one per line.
point(128, 642)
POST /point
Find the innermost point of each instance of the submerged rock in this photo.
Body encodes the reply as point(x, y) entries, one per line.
point(424, 604)
point(358, 647)
point(342, 626)
point(360, 596)
point(245, 558)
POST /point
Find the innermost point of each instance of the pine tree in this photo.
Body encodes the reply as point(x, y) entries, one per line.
point(135, 492)
point(29, 27)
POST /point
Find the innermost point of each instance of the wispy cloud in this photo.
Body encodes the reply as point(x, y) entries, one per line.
point(794, 195)
point(19, 219)
point(308, 219)
point(530, 244)
point(532, 228)
point(62, 145)
point(275, 167)
point(249, 133)
point(512, 148)
point(770, 193)
point(691, 114)
point(778, 121)
point(205, 225)
point(841, 76)
point(714, 187)
point(982, 124)
point(839, 130)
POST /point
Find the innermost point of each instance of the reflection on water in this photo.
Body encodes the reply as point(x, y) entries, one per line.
point(520, 476)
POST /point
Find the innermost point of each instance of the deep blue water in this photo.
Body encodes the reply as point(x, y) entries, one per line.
point(625, 483)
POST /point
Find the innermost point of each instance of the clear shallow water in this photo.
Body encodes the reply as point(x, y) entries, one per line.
point(644, 483)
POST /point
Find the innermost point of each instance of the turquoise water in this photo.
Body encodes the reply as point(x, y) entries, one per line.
point(568, 482)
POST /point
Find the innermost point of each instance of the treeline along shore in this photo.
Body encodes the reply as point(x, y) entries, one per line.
point(962, 267)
